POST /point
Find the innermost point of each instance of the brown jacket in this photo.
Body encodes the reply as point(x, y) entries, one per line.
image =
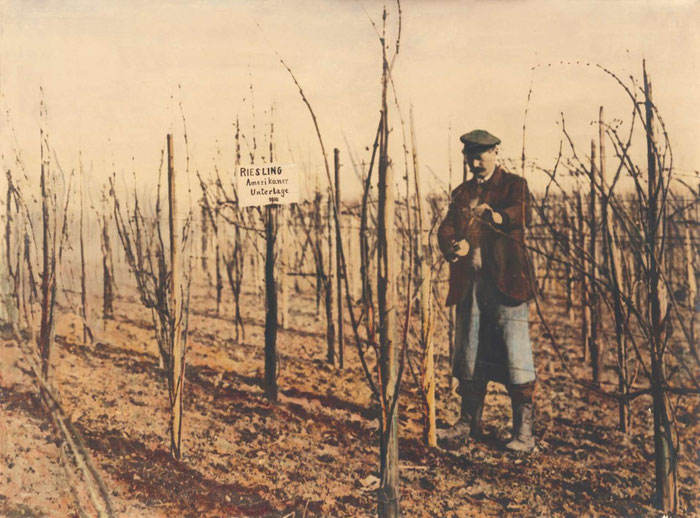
point(503, 255)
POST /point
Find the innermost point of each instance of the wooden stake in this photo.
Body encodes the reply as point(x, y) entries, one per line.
point(205, 236)
point(107, 266)
point(8, 236)
point(690, 264)
point(593, 345)
point(569, 270)
point(614, 266)
point(425, 300)
point(328, 285)
point(585, 309)
point(47, 274)
point(270, 383)
point(217, 251)
point(338, 261)
point(177, 356)
point(85, 310)
point(664, 449)
point(388, 493)
point(284, 247)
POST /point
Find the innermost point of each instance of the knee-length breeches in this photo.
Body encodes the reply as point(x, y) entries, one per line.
point(492, 339)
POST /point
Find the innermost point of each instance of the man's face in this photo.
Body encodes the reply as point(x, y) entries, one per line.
point(482, 164)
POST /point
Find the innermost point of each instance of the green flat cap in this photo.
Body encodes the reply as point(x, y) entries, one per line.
point(479, 139)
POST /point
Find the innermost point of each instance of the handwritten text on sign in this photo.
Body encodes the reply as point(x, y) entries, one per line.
point(266, 184)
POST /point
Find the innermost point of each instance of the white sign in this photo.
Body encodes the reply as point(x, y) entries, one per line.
point(265, 184)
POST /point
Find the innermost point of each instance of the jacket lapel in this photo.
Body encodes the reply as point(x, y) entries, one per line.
point(494, 191)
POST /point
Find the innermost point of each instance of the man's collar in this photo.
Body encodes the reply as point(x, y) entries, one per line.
point(487, 178)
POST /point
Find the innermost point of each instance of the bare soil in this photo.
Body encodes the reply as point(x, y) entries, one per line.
point(315, 451)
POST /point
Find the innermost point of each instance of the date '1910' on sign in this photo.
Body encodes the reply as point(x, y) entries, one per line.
point(264, 184)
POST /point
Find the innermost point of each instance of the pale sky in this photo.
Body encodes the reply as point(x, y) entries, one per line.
point(113, 74)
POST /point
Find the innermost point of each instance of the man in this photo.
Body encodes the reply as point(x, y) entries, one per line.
point(491, 282)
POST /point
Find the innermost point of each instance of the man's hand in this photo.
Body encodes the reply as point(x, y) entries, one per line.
point(459, 249)
point(481, 211)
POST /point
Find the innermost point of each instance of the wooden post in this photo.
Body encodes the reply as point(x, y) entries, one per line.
point(270, 304)
point(238, 254)
point(353, 259)
point(338, 268)
point(205, 236)
point(614, 268)
point(593, 345)
point(260, 267)
point(388, 493)
point(48, 277)
point(15, 313)
point(692, 281)
point(451, 309)
point(107, 266)
point(690, 264)
point(33, 294)
point(84, 310)
point(15, 281)
point(217, 251)
point(536, 265)
point(566, 245)
point(26, 292)
point(665, 452)
point(320, 275)
point(570, 232)
point(328, 285)
point(239, 257)
point(177, 351)
point(270, 383)
point(284, 246)
point(585, 310)
point(425, 300)
point(8, 242)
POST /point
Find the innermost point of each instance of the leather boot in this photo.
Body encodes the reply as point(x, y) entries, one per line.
point(521, 397)
point(473, 407)
point(469, 424)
